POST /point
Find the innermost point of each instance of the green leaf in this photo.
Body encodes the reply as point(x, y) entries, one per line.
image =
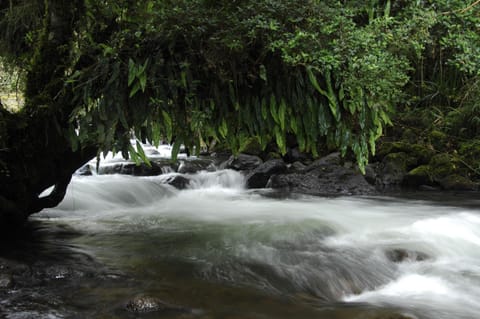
point(314, 82)
point(332, 99)
point(143, 81)
point(293, 125)
point(273, 109)
point(135, 89)
point(264, 109)
point(281, 114)
point(133, 155)
point(281, 140)
point(132, 71)
point(175, 150)
point(167, 120)
point(263, 72)
point(223, 128)
point(141, 154)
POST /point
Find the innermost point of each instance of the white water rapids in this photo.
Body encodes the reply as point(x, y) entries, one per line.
point(332, 249)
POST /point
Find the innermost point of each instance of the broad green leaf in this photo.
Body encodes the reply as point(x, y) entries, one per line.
point(132, 71)
point(133, 155)
point(141, 154)
point(293, 125)
point(281, 140)
point(175, 149)
point(264, 109)
point(281, 114)
point(135, 89)
point(263, 73)
point(223, 128)
point(167, 120)
point(314, 82)
point(143, 81)
point(273, 108)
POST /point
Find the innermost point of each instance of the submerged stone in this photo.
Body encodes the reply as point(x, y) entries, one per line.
point(178, 181)
point(402, 255)
point(147, 304)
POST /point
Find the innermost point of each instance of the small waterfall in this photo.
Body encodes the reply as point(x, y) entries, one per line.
point(418, 256)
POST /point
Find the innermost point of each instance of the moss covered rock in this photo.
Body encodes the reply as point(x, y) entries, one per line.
point(419, 176)
point(439, 140)
point(392, 170)
point(442, 165)
point(421, 153)
point(458, 182)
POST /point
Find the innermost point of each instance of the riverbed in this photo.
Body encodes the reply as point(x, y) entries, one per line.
point(223, 251)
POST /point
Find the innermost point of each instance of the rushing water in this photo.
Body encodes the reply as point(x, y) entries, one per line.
point(235, 253)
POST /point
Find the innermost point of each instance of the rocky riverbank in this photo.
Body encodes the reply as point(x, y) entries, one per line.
point(397, 166)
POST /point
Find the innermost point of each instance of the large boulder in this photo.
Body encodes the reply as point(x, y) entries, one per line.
point(325, 176)
point(259, 177)
point(392, 170)
point(458, 183)
point(242, 162)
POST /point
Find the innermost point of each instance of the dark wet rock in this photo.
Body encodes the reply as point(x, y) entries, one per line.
point(402, 255)
point(325, 176)
point(331, 159)
point(297, 167)
point(178, 181)
point(6, 281)
point(157, 167)
point(146, 304)
point(295, 155)
point(192, 166)
point(371, 173)
point(259, 177)
point(242, 162)
point(392, 170)
point(141, 170)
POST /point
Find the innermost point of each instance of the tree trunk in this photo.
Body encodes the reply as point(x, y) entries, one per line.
point(35, 151)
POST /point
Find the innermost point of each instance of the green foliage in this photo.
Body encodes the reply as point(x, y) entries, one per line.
point(209, 69)
point(329, 73)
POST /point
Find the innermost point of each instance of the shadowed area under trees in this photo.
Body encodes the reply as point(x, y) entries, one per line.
point(329, 73)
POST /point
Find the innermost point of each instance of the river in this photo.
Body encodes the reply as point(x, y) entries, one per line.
point(228, 252)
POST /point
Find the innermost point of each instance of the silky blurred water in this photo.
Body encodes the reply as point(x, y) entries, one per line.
point(253, 254)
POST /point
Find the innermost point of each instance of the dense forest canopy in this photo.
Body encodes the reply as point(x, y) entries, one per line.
point(330, 73)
